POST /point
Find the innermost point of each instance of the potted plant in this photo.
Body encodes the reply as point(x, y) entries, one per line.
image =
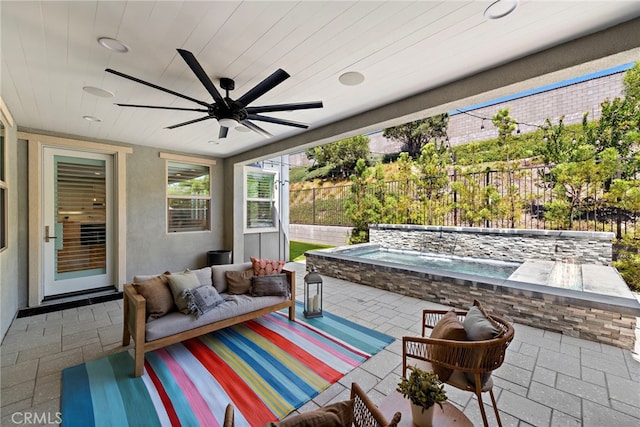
point(423, 389)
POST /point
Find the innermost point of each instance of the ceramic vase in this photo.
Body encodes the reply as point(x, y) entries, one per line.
point(422, 418)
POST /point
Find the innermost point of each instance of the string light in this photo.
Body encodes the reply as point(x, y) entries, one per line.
point(482, 125)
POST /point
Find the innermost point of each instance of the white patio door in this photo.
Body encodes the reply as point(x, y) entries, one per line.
point(77, 220)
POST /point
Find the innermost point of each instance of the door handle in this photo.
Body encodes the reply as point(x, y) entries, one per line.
point(46, 234)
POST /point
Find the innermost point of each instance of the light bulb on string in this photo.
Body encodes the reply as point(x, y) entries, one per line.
point(482, 125)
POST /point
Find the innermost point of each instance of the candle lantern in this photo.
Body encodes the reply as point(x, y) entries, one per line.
point(312, 294)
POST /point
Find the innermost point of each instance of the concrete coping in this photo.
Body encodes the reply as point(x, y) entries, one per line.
point(585, 235)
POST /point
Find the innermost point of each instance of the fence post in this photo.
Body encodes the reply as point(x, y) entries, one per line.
point(313, 205)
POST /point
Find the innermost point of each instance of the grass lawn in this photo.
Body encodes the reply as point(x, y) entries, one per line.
point(297, 249)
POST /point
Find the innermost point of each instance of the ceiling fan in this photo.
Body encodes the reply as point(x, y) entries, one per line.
point(228, 112)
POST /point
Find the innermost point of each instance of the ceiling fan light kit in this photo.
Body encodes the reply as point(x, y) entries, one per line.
point(228, 112)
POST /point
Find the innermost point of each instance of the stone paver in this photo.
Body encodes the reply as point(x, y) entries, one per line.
point(548, 379)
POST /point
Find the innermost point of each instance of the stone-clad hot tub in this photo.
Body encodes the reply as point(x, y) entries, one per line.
point(540, 293)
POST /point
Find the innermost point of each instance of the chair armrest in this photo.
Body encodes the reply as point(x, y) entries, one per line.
point(365, 413)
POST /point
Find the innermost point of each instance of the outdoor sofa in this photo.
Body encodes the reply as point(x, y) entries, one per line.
point(152, 318)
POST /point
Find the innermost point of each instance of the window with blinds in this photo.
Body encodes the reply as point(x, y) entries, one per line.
point(188, 197)
point(260, 200)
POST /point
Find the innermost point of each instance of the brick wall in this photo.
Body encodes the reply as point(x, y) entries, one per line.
point(572, 101)
point(498, 243)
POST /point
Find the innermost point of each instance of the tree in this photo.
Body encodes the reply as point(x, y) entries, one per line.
point(366, 201)
point(415, 135)
point(341, 155)
point(506, 125)
point(584, 172)
point(619, 123)
point(433, 165)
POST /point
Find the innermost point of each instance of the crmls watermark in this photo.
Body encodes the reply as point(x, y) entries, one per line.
point(40, 418)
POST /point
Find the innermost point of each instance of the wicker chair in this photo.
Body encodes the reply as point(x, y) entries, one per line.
point(478, 358)
point(366, 414)
point(229, 416)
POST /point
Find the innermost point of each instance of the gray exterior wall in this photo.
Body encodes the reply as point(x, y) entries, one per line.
point(501, 244)
point(150, 249)
point(9, 258)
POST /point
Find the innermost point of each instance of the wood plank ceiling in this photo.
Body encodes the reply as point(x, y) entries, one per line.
point(50, 52)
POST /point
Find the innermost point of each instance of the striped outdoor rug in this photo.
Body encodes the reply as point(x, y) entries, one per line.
point(266, 367)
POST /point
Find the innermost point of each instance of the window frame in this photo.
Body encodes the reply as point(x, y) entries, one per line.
point(274, 201)
point(4, 190)
point(194, 161)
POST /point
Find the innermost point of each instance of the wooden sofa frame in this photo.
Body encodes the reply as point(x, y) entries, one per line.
point(135, 322)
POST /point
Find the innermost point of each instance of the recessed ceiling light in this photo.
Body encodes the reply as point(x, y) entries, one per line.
point(113, 44)
point(102, 93)
point(500, 9)
point(92, 118)
point(351, 78)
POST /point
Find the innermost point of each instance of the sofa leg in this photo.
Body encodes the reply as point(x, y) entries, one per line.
point(126, 336)
point(138, 362)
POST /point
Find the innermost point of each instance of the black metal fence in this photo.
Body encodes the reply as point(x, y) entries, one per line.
point(452, 206)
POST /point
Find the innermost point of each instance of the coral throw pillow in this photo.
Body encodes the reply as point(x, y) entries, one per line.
point(264, 267)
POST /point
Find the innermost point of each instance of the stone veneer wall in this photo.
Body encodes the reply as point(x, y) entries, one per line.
point(609, 320)
point(498, 243)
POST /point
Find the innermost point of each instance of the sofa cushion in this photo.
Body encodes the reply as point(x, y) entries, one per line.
point(334, 415)
point(263, 267)
point(447, 328)
point(157, 294)
point(202, 299)
point(238, 282)
point(178, 282)
point(218, 273)
point(273, 284)
point(235, 305)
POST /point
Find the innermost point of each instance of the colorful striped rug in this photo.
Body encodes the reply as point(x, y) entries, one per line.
point(266, 367)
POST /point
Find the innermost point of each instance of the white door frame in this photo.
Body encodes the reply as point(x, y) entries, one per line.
point(36, 143)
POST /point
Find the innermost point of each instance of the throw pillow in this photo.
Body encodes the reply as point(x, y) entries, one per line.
point(263, 267)
point(447, 328)
point(335, 415)
point(271, 285)
point(178, 282)
point(202, 299)
point(238, 282)
point(157, 294)
point(480, 326)
point(204, 276)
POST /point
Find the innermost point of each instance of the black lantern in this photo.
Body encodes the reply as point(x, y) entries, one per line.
point(312, 296)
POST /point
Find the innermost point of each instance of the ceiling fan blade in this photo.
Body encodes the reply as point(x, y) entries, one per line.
point(263, 87)
point(203, 110)
point(189, 122)
point(284, 107)
point(137, 80)
point(277, 121)
point(256, 128)
point(197, 69)
point(223, 132)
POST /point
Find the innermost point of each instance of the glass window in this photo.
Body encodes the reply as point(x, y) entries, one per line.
point(260, 200)
point(188, 197)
